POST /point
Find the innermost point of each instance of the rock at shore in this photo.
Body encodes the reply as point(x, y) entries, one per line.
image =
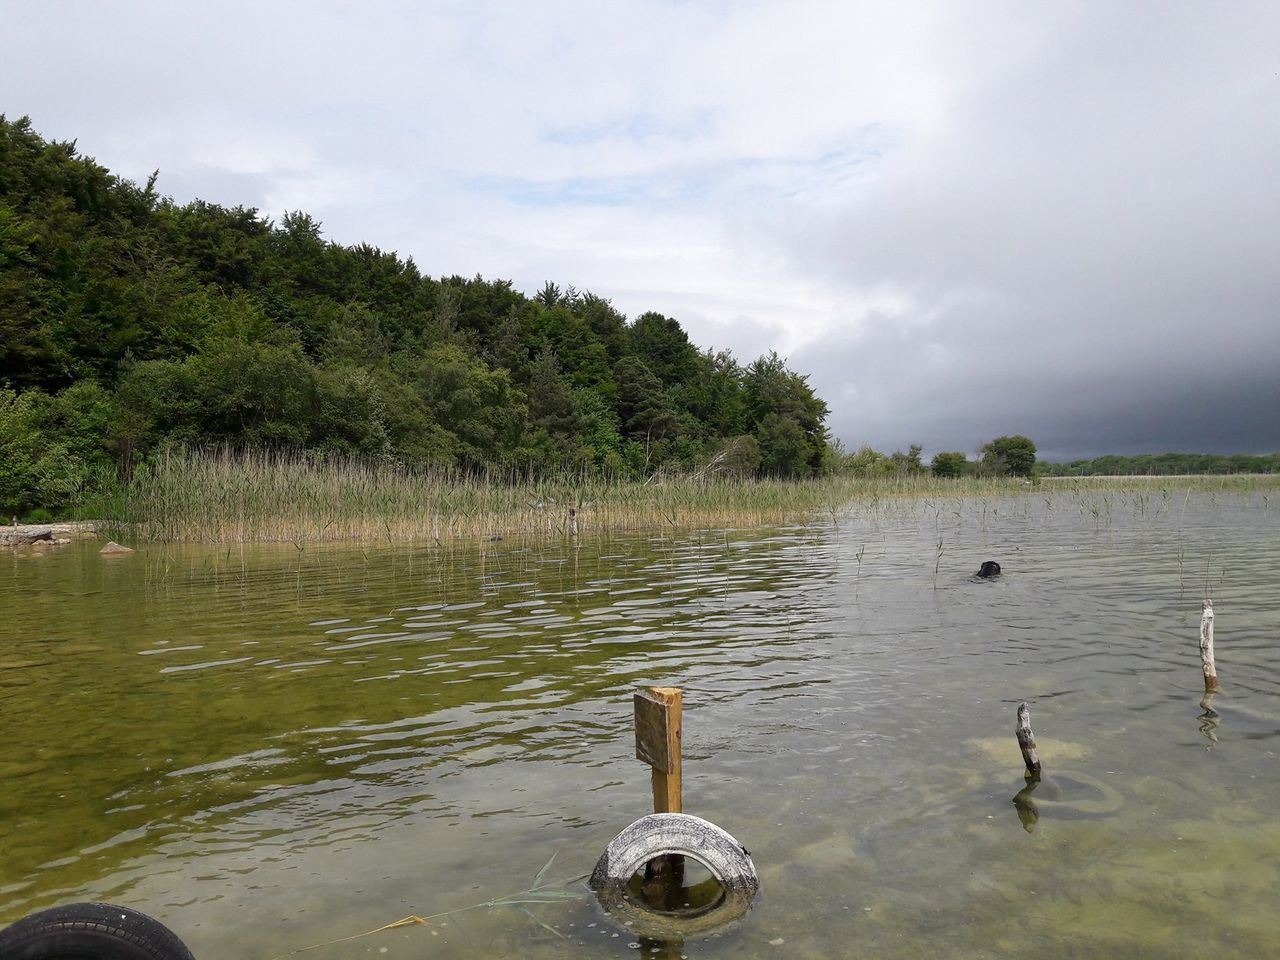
point(26, 535)
point(21, 536)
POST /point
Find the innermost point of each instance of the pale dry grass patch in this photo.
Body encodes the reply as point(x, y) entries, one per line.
point(227, 497)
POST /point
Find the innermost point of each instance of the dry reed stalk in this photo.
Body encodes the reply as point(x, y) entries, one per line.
point(222, 497)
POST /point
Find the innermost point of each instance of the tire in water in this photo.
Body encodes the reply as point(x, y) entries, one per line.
point(663, 834)
point(90, 931)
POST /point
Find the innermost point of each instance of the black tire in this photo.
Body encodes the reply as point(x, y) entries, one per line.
point(90, 931)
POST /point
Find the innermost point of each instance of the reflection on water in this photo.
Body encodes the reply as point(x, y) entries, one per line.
point(274, 747)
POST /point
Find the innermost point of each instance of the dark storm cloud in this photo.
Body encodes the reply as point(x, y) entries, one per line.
point(1092, 258)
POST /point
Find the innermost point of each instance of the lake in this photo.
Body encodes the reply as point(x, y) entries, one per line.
point(270, 747)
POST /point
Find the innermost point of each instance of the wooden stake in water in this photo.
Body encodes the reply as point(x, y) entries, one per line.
point(658, 733)
point(1027, 740)
point(1206, 648)
point(658, 740)
point(573, 522)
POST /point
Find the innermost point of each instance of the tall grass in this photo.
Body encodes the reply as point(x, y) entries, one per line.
point(226, 497)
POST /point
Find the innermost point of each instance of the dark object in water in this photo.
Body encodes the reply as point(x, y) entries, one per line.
point(100, 930)
point(989, 569)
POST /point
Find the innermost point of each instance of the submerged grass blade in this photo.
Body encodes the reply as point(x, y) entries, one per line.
point(521, 899)
point(410, 920)
point(537, 877)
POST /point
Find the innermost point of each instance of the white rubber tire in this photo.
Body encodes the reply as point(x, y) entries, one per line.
point(660, 834)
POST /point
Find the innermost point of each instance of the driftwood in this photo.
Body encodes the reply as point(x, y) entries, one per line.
point(1027, 741)
point(1206, 648)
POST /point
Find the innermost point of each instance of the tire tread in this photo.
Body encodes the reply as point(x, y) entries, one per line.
point(90, 930)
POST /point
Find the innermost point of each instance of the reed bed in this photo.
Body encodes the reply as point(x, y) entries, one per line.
point(226, 497)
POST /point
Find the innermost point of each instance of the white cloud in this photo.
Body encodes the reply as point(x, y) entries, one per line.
point(957, 215)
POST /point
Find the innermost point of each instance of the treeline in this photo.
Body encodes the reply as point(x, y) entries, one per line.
point(129, 322)
point(1008, 456)
point(1163, 464)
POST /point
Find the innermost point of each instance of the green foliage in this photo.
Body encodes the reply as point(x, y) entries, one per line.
point(949, 465)
point(664, 348)
point(867, 463)
point(786, 417)
point(1163, 464)
point(1012, 455)
point(49, 450)
point(598, 432)
point(740, 459)
point(130, 323)
point(908, 462)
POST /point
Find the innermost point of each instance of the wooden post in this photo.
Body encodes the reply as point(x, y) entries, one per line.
point(1206, 648)
point(658, 719)
point(573, 522)
point(1027, 740)
point(658, 740)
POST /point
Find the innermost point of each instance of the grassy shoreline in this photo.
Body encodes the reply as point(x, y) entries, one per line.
point(265, 497)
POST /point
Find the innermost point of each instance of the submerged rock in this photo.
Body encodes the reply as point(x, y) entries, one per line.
point(113, 549)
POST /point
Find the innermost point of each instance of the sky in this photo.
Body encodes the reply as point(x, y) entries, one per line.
point(962, 220)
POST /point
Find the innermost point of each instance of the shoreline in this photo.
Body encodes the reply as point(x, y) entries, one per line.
point(325, 506)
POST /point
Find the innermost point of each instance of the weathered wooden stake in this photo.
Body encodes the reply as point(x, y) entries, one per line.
point(573, 522)
point(1206, 648)
point(658, 718)
point(658, 740)
point(1027, 740)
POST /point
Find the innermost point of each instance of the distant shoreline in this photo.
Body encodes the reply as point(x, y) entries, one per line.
point(1158, 476)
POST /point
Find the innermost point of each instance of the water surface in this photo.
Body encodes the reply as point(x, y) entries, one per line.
point(271, 747)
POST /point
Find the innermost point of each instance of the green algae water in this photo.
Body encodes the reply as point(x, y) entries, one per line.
point(277, 746)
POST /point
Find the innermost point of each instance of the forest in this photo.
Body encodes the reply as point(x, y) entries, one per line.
point(1163, 465)
point(130, 323)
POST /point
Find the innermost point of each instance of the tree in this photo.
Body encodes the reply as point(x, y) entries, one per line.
point(129, 322)
point(784, 448)
point(867, 462)
point(644, 407)
point(664, 347)
point(476, 405)
point(908, 462)
point(950, 464)
point(1015, 455)
point(776, 401)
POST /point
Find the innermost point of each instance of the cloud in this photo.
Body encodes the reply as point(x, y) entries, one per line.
point(962, 220)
